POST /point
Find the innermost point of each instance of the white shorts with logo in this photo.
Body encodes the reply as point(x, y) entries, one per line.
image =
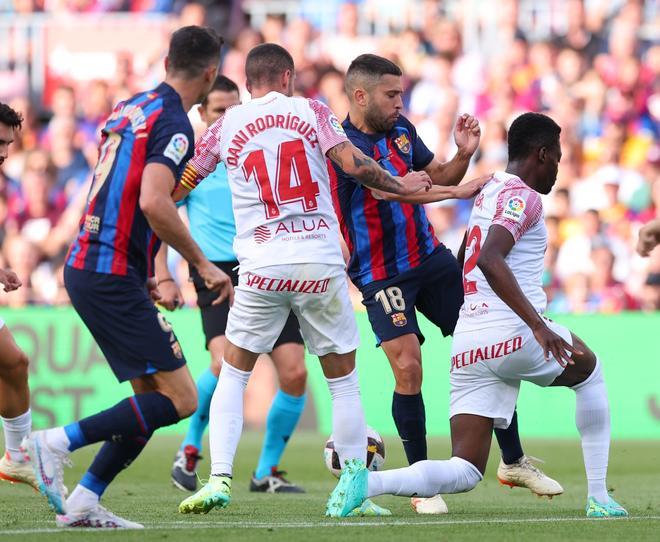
point(317, 294)
point(487, 367)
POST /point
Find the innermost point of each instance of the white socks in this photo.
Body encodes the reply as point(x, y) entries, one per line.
point(81, 500)
point(15, 430)
point(226, 417)
point(348, 426)
point(425, 479)
point(592, 417)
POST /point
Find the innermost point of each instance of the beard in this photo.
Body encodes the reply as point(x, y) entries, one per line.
point(378, 121)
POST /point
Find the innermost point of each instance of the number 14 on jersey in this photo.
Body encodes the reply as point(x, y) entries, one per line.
point(293, 182)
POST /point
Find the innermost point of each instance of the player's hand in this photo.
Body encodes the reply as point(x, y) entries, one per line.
point(217, 280)
point(649, 238)
point(467, 134)
point(171, 297)
point(9, 280)
point(472, 187)
point(414, 181)
point(152, 288)
point(554, 346)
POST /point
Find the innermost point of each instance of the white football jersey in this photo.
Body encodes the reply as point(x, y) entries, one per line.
point(274, 149)
point(508, 202)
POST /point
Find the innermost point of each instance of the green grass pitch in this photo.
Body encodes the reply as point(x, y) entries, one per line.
point(491, 512)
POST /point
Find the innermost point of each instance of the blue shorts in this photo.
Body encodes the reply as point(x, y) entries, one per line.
point(434, 288)
point(134, 337)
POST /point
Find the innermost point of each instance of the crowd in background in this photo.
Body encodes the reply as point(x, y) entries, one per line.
point(598, 76)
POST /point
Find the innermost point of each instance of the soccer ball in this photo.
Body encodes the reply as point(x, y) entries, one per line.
point(375, 453)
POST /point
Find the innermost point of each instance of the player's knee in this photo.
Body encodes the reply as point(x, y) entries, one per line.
point(408, 375)
point(185, 401)
point(15, 366)
point(186, 407)
point(294, 380)
point(467, 475)
point(216, 365)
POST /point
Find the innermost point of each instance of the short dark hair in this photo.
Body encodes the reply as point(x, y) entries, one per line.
point(9, 117)
point(267, 62)
point(368, 69)
point(529, 132)
point(222, 84)
point(193, 49)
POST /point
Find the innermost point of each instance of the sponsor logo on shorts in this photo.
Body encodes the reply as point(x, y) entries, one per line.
point(287, 285)
point(261, 234)
point(485, 353)
point(514, 208)
point(399, 319)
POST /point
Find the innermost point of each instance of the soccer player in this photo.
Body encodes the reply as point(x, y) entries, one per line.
point(503, 338)
point(14, 391)
point(109, 277)
point(397, 262)
point(275, 149)
point(212, 226)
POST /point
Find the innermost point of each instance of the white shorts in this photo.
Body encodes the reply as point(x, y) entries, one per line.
point(317, 294)
point(487, 367)
point(2, 323)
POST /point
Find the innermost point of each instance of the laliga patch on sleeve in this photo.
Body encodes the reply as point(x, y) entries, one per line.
point(336, 126)
point(177, 148)
point(513, 209)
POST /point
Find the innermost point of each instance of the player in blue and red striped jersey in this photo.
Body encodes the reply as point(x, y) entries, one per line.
point(145, 145)
point(396, 260)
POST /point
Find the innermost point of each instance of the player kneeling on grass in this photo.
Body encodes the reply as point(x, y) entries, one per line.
point(503, 338)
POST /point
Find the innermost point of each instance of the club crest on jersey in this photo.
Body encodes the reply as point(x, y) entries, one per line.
point(399, 319)
point(403, 143)
point(514, 208)
point(177, 148)
point(479, 201)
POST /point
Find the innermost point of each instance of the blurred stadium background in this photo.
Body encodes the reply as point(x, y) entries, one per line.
point(593, 65)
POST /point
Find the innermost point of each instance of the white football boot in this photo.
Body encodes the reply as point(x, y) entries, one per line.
point(524, 474)
point(17, 472)
point(48, 465)
point(429, 505)
point(95, 518)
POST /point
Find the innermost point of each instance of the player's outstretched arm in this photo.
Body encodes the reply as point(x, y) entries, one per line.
point(501, 279)
point(466, 134)
point(160, 211)
point(367, 171)
point(437, 193)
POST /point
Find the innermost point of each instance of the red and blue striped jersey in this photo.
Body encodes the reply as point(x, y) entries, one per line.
point(115, 237)
point(385, 238)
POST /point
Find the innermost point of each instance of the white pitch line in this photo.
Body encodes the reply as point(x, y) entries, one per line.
point(182, 525)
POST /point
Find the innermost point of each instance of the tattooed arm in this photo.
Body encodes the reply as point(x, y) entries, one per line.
point(367, 171)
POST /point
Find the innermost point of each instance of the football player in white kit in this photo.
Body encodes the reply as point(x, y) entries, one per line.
point(503, 338)
point(287, 245)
